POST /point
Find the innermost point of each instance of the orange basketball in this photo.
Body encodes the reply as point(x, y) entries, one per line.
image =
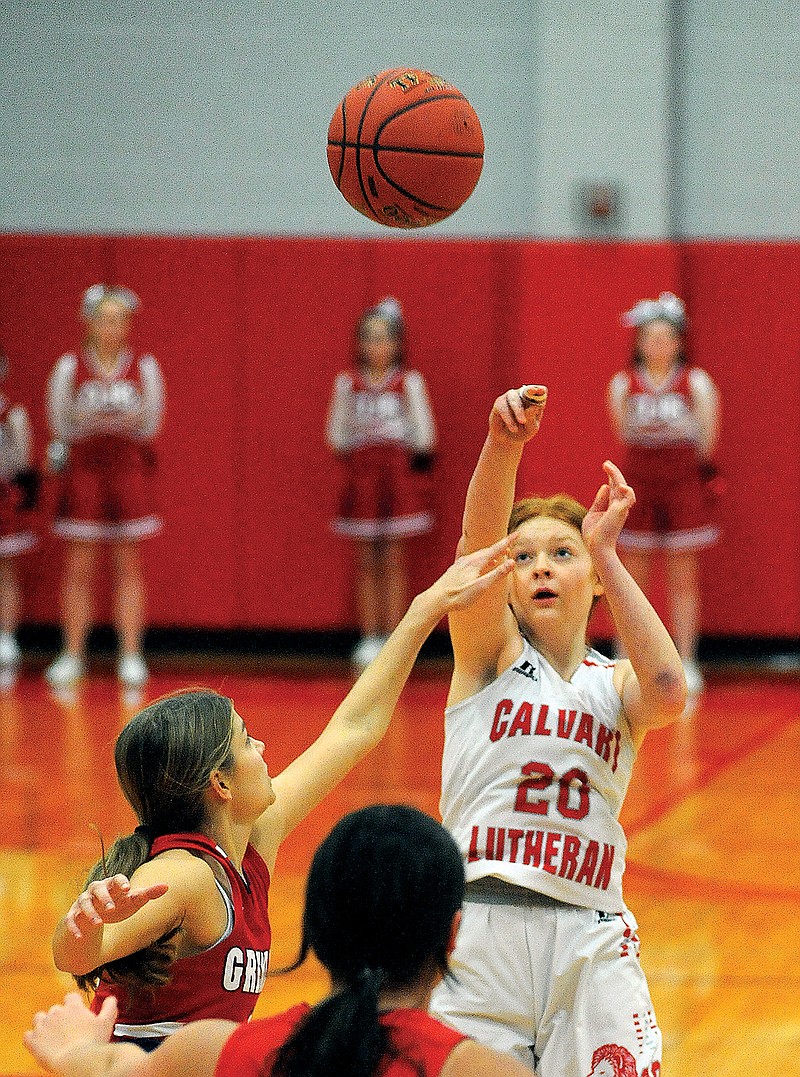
point(405, 148)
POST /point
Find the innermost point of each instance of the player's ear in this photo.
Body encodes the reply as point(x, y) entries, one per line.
point(218, 786)
point(597, 588)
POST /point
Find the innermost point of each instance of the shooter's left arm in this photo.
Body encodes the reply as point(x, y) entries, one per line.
point(654, 692)
point(652, 684)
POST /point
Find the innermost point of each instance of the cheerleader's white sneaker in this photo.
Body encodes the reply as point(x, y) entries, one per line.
point(64, 672)
point(366, 649)
point(694, 678)
point(10, 653)
point(132, 671)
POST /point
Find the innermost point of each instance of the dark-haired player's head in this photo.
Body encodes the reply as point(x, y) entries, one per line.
point(383, 903)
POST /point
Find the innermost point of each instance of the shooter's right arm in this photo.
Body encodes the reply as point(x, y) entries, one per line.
point(481, 633)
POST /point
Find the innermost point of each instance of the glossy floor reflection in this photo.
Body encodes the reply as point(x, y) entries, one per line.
point(712, 817)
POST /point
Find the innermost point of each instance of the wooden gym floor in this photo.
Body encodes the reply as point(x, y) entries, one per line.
point(712, 818)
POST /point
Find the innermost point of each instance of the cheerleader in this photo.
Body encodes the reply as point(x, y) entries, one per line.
point(105, 408)
point(665, 411)
point(381, 427)
point(18, 489)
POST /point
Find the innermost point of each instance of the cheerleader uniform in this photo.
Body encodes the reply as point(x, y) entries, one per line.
point(379, 428)
point(661, 433)
point(108, 422)
point(16, 535)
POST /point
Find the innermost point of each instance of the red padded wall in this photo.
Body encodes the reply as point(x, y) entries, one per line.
point(745, 305)
point(191, 318)
point(250, 333)
point(571, 298)
point(300, 302)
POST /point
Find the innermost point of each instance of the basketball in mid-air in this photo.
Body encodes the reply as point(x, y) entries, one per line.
point(405, 148)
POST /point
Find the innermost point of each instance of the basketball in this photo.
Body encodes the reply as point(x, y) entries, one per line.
point(405, 148)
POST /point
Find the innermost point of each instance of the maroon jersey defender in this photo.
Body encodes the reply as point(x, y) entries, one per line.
point(224, 980)
point(186, 763)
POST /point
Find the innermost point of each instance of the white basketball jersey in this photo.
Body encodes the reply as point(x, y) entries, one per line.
point(534, 773)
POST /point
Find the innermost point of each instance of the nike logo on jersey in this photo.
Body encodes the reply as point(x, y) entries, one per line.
point(527, 669)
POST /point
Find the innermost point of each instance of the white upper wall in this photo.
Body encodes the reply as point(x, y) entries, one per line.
point(602, 112)
point(739, 126)
point(178, 117)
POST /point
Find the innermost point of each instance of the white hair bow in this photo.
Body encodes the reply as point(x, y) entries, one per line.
point(390, 309)
point(666, 308)
point(94, 296)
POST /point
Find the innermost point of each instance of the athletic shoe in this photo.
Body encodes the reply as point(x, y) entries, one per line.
point(65, 671)
point(694, 678)
point(366, 649)
point(132, 671)
point(9, 650)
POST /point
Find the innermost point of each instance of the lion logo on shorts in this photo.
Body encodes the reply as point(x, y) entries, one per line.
point(611, 1060)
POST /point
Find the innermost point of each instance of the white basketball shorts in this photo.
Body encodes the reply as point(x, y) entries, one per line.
point(559, 987)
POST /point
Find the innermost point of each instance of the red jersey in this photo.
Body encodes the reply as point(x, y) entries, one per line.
point(223, 981)
point(660, 414)
point(391, 411)
point(86, 402)
point(420, 1044)
point(378, 411)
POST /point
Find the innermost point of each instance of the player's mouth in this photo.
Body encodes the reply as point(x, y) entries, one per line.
point(544, 596)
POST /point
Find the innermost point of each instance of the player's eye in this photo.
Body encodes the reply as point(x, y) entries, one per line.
point(563, 552)
point(522, 557)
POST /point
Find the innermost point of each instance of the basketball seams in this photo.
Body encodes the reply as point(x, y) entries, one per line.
point(401, 190)
point(370, 97)
point(417, 152)
point(379, 146)
point(342, 106)
point(376, 144)
point(418, 104)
